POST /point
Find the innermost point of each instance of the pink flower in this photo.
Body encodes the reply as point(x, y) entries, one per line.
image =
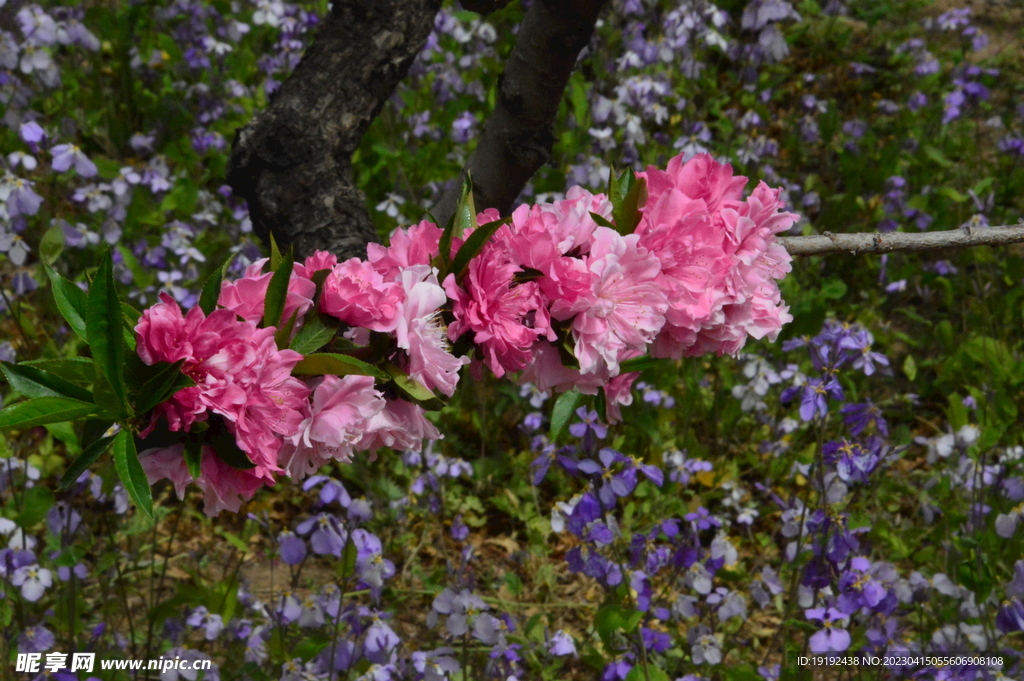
point(420, 334)
point(552, 238)
point(166, 463)
point(400, 425)
point(224, 487)
point(546, 371)
point(618, 392)
point(628, 308)
point(247, 295)
point(719, 257)
point(417, 245)
point(702, 178)
point(239, 374)
point(338, 422)
point(504, 317)
point(321, 260)
point(163, 334)
point(357, 294)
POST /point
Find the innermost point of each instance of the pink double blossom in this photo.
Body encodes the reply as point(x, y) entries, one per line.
point(239, 374)
point(338, 422)
point(246, 296)
point(358, 295)
point(224, 488)
point(504, 317)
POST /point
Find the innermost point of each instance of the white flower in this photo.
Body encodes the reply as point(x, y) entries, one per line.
point(33, 581)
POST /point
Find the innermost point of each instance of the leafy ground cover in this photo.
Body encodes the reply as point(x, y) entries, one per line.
point(856, 486)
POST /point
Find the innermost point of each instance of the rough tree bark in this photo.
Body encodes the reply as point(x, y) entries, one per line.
point(517, 138)
point(292, 162)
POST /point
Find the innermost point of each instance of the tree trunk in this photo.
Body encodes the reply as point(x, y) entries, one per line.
point(518, 137)
point(292, 162)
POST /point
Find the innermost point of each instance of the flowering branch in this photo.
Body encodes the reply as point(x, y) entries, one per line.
point(875, 242)
point(517, 137)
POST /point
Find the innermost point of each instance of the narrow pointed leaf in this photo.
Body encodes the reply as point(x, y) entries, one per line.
point(629, 195)
point(211, 289)
point(277, 292)
point(78, 370)
point(130, 316)
point(71, 301)
point(284, 332)
point(473, 245)
point(639, 364)
point(167, 381)
point(315, 333)
point(464, 215)
point(104, 330)
point(563, 410)
point(84, 460)
point(33, 382)
point(413, 390)
point(600, 219)
point(43, 410)
point(318, 364)
point(276, 257)
point(193, 456)
point(133, 477)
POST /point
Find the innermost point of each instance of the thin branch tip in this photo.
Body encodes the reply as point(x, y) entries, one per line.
point(893, 242)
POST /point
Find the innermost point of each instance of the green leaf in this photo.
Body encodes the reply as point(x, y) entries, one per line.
point(601, 220)
point(167, 381)
point(348, 559)
point(465, 217)
point(37, 502)
point(833, 289)
point(639, 364)
point(474, 244)
point(318, 364)
point(33, 382)
point(276, 258)
point(284, 332)
point(952, 194)
point(103, 330)
point(84, 460)
point(51, 245)
point(234, 540)
point(79, 370)
point(318, 330)
point(413, 390)
point(277, 292)
point(937, 156)
point(65, 432)
point(612, 618)
point(130, 316)
point(71, 301)
point(211, 289)
point(43, 410)
point(628, 195)
point(563, 410)
point(910, 367)
point(194, 456)
point(579, 95)
point(126, 461)
point(653, 674)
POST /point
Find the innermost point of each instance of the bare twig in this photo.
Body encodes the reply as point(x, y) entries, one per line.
point(517, 138)
point(891, 242)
